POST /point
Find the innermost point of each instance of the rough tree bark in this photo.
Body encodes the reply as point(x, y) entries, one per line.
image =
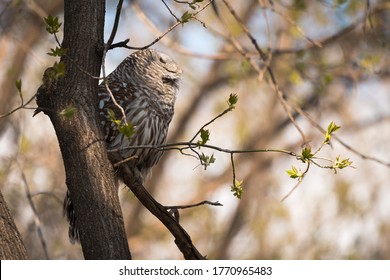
point(11, 244)
point(89, 174)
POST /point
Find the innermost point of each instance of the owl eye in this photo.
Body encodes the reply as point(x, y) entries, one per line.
point(162, 60)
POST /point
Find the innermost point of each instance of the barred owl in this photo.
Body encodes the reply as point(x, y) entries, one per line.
point(145, 86)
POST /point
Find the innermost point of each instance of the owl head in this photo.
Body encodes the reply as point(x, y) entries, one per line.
point(151, 68)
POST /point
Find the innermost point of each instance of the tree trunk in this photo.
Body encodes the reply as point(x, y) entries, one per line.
point(89, 174)
point(11, 244)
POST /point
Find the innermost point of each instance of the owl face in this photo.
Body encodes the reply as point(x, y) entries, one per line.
point(156, 69)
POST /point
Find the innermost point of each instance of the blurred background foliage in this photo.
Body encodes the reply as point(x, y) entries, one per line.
point(329, 58)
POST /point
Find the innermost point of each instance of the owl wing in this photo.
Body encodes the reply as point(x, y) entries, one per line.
point(150, 129)
point(124, 97)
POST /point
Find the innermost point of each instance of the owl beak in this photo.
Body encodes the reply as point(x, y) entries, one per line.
point(171, 80)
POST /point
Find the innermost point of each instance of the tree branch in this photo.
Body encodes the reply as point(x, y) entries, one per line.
point(165, 33)
point(115, 27)
point(204, 202)
point(183, 241)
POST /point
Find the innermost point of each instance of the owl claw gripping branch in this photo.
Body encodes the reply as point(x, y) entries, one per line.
point(145, 85)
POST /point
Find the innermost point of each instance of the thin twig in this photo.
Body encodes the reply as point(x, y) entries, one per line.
point(262, 54)
point(124, 119)
point(170, 11)
point(298, 183)
point(293, 23)
point(22, 106)
point(177, 145)
point(217, 203)
point(37, 221)
point(173, 43)
point(122, 44)
point(233, 168)
point(266, 59)
point(106, 48)
point(347, 146)
point(116, 164)
point(168, 30)
point(211, 121)
point(115, 26)
point(291, 191)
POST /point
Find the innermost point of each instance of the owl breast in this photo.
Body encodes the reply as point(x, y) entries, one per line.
point(151, 125)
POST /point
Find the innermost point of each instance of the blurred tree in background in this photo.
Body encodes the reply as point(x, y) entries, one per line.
point(295, 66)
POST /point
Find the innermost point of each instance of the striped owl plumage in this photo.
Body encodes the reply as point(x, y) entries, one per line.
point(145, 85)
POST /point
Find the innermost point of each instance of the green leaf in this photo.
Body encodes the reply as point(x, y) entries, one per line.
point(59, 68)
point(57, 52)
point(68, 112)
point(186, 17)
point(306, 154)
point(111, 116)
point(56, 71)
point(237, 188)
point(340, 164)
point(332, 127)
point(18, 84)
point(206, 160)
point(232, 101)
point(52, 24)
point(127, 130)
point(205, 136)
point(294, 173)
